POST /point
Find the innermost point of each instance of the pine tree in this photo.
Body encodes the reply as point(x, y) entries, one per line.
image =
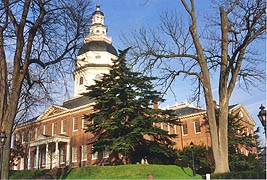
point(124, 121)
point(238, 137)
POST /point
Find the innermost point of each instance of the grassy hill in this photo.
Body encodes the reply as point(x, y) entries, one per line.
point(115, 172)
point(131, 172)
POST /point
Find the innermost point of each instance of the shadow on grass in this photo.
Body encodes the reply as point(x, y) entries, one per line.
point(186, 172)
point(65, 174)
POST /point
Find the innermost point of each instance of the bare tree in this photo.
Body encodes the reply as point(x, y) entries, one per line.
point(38, 42)
point(224, 48)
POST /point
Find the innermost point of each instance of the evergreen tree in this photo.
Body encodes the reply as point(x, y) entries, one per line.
point(237, 138)
point(124, 121)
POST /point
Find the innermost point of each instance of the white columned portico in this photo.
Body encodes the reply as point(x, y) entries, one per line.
point(68, 154)
point(37, 157)
point(51, 156)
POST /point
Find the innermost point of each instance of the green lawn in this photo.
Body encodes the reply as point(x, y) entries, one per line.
point(31, 174)
point(113, 172)
point(131, 172)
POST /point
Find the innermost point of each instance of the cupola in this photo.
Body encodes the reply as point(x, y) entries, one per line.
point(95, 56)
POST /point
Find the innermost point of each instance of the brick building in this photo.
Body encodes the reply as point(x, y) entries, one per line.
point(194, 127)
point(56, 138)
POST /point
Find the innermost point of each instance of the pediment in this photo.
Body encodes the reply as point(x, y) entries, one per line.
point(244, 114)
point(52, 111)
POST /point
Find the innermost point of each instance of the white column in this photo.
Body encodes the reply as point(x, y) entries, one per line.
point(57, 155)
point(37, 157)
point(21, 167)
point(68, 154)
point(29, 158)
point(46, 157)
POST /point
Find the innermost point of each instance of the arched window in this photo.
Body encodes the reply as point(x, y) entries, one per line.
point(81, 80)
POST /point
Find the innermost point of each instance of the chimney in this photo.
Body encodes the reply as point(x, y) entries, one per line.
point(155, 104)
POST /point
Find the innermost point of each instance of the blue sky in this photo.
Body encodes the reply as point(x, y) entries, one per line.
point(123, 16)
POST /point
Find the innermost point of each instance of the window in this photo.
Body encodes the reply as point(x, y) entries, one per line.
point(74, 154)
point(175, 129)
point(74, 124)
point(37, 134)
point(94, 155)
point(45, 130)
point(30, 135)
point(197, 127)
point(24, 137)
point(84, 152)
point(247, 131)
point(63, 126)
point(184, 129)
point(81, 80)
point(54, 129)
point(169, 128)
point(106, 153)
point(84, 123)
point(17, 137)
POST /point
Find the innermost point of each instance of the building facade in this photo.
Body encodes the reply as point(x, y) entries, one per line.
point(195, 128)
point(57, 138)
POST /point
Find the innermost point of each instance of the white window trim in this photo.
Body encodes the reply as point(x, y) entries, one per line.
point(95, 155)
point(169, 128)
point(23, 137)
point(44, 131)
point(84, 148)
point(61, 128)
point(105, 153)
point(36, 133)
point(195, 127)
point(175, 129)
point(73, 122)
point(72, 154)
point(53, 126)
point(30, 135)
point(82, 123)
point(17, 136)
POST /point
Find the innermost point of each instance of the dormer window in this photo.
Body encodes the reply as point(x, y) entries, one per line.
point(81, 81)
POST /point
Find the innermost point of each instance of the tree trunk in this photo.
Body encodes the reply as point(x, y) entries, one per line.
point(7, 126)
point(218, 131)
point(6, 158)
point(7, 122)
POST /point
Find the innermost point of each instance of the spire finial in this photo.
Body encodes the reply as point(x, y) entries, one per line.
point(97, 7)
